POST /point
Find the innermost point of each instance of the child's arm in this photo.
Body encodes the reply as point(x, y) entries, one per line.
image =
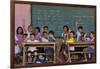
point(24, 25)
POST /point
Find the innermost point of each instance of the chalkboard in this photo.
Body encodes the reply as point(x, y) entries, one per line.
point(55, 17)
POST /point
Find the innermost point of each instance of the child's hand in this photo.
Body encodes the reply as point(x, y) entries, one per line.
point(35, 53)
point(29, 54)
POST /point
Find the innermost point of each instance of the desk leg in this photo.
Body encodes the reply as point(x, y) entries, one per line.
point(24, 56)
point(54, 53)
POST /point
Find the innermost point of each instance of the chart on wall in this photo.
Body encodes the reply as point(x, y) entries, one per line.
point(55, 17)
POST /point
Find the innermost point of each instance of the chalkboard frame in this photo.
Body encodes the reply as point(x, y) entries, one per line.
point(41, 3)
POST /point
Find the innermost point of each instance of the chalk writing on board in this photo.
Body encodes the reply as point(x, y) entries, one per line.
point(56, 17)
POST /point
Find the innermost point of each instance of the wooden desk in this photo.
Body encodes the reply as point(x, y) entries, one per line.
point(38, 44)
point(78, 44)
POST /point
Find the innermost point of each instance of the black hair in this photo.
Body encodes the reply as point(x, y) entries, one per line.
point(82, 33)
point(66, 27)
point(72, 32)
point(37, 29)
point(25, 34)
point(18, 29)
point(52, 32)
point(80, 27)
point(45, 27)
point(32, 34)
point(92, 32)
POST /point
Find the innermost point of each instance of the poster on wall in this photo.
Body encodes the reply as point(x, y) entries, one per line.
point(52, 34)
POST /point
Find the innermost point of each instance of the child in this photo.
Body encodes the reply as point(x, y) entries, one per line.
point(51, 36)
point(78, 33)
point(18, 44)
point(45, 29)
point(29, 31)
point(50, 50)
point(82, 37)
point(64, 49)
point(19, 34)
point(41, 59)
point(90, 49)
point(25, 37)
point(44, 37)
point(71, 39)
point(38, 37)
point(66, 32)
point(31, 49)
point(37, 33)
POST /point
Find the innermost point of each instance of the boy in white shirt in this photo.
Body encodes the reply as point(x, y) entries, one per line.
point(78, 33)
point(31, 50)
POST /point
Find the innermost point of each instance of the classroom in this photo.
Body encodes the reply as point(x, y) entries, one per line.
point(53, 34)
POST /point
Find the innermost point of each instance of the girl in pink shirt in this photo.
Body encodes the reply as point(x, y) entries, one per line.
point(19, 35)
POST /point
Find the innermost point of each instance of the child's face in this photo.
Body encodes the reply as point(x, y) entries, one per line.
point(32, 37)
point(45, 35)
point(80, 30)
point(25, 36)
point(36, 31)
point(19, 30)
point(65, 29)
point(45, 29)
point(71, 35)
point(91, 35)
point(30, 29)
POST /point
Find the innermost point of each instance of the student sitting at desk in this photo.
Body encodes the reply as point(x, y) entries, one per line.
point(51, 36)
point(82, 37)
point(49, 50)
point(29, 30)
point(44, 37)
point(90, 49)
point(25, 37)
point(31, 49)
point(38, 35)
point(71, 39)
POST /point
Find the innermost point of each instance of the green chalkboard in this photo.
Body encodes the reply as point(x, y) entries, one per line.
point(55, 17)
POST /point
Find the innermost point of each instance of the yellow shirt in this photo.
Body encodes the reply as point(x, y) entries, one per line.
point(69, 40)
